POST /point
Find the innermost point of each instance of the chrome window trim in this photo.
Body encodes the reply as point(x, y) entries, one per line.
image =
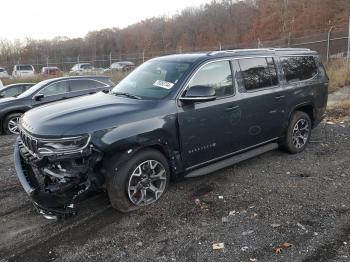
point(218, 60)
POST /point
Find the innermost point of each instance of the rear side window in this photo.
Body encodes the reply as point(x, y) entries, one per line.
point(79, 85)
point(217, 75)
point(12, 91)
point(298, 68)
point(258, 72)
point(25, 68)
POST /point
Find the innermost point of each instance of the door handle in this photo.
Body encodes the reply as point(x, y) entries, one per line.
point(231, 108)
point(279, 97)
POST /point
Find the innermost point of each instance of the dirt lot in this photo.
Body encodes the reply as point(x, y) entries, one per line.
point(302, 199)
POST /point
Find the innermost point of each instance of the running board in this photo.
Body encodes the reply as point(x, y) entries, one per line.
point(232, 160)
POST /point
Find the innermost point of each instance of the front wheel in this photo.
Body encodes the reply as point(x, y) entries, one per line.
point(11, 124)
point(139, 182)
point(298, 133)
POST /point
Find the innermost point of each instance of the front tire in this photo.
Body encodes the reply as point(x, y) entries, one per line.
point(298, 133)
point(139, 182)
point(10, 125)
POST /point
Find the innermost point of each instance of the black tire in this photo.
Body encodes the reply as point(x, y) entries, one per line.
point(293, 141)
point(120, 172)
point(7, 120)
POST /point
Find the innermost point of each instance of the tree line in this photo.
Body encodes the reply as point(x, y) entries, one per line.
point(225, 22)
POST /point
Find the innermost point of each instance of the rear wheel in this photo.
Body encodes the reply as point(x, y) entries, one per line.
point(298, 133)
point(10, 125)
point(139, 182)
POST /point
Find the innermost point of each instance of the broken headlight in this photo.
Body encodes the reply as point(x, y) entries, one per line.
point(62, 145)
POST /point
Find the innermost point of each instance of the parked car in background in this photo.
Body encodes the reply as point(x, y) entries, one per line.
point(47, 91)
point(82, 69)
point(179, 115)
point(50, 71)
point(23, 71)
point(14, 89)
point(122, 66)
point(3, 73)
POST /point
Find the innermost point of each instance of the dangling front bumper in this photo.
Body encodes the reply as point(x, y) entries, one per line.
point(55, 193)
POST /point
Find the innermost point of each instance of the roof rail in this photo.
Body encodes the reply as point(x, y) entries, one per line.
point(256, 50)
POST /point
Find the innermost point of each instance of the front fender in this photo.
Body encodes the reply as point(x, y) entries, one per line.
point(127, 139)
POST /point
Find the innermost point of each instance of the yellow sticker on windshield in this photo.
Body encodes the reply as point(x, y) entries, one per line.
point(163, 84)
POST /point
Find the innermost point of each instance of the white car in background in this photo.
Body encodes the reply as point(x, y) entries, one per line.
point(82, 69)
point(23, 71)
point(3, 73)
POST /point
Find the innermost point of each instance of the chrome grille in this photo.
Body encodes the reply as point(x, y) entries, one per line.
point(29, 142)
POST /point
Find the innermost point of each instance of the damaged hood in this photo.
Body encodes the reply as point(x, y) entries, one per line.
point(83, 115)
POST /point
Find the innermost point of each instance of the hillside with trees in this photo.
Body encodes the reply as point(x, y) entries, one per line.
point(220, 22)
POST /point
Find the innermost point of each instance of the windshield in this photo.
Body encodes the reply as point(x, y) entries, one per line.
point(34, 88)
point(152, 80)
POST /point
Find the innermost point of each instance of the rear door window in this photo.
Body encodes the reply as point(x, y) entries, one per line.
point(299, 68)
point(258, 72)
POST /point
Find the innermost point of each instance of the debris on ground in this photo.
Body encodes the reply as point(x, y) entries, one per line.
point(274, 225)
point(233, 212)
point(246, 233)
point(201, 204)
point(253, 259)
point(224, 219)
point(287, 245)
point(301, 226)
point(277, 250)
point(245, 248)
point(218, 246)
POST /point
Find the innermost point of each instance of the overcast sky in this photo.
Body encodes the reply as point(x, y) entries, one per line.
point(42, 19)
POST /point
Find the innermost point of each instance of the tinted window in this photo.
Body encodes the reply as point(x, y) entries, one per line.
point(258, 73)
point(217, 75)
point(55, 89)
point(25, 68)
point(298, 68)
point(78, 85)
point(12, 91)
point(86, 66)
point(2, 70)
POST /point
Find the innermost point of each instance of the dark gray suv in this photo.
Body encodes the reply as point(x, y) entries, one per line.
point(179, 115)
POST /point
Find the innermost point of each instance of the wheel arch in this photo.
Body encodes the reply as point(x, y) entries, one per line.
point(3, 118)
point(307, 108)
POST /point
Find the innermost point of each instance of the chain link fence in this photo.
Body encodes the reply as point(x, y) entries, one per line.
point(328, 44)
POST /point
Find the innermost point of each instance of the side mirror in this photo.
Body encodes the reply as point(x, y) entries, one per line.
point(38, 97)
point(199, 94)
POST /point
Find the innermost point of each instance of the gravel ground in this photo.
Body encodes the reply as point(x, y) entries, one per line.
point(253, 208)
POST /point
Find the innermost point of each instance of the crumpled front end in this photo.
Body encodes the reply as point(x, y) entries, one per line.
point(56, 182)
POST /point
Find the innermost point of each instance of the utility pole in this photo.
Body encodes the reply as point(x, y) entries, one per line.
point(328, 41)
point(348, 53)
point(110, 58)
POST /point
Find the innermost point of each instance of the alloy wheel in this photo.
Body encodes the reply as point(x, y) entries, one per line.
point(301, 133)
point(147, 183)
point(12, 125)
